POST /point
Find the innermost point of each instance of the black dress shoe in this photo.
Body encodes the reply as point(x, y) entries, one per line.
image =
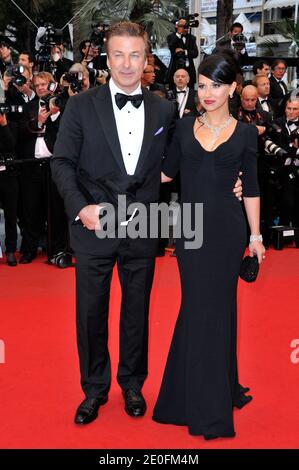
point(27, 258)
point(242, 400)
point(134, 402)
point(11, 259)
point(88, 410)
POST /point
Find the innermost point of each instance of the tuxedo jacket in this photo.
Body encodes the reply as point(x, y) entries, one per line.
point(190, 103)
point(275, 89)
point(272, 105)
point(174, 42)
point(88, 141)
point(29, 130)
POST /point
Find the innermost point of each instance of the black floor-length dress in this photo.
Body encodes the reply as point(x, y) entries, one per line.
point(200, 386)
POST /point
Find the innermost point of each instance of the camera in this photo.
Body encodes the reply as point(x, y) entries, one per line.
point(274, 149)
point(15, 72)
point(51, 36)
point(46, 39)
point(6, 159)
point(170, 95)
point(75, 79)
point(58, 97)
point(239, 41)
point(191, 21)
point(6, 108)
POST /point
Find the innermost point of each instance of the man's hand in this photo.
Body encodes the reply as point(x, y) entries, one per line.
point(179, 49)
point(238, 190)
point(3, 120)
point(43, 116)
point(261, 129)
point(89, 217)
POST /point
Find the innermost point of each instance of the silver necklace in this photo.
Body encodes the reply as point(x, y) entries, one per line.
point(215, 129)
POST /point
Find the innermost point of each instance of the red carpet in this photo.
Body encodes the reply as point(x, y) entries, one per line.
point(39, 381)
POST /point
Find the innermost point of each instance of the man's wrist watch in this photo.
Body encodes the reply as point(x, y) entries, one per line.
point(256, 238)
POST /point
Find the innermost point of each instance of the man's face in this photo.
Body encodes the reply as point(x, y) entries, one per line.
point(236, 30)
point(24, 60)
point(292, 110)
point(279, 70)
point(181, 27)
point(41, 87)
point(126, 60)
point(5, 53)
point(181, 79)
point(265, 70)
point(148, 76)
point(263, 87)
point(248, 100)
point(88, 50)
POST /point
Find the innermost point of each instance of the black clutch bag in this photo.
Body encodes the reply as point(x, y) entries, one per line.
point(249, 269)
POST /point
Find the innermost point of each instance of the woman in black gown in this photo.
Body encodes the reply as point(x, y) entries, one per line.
point(200, 386)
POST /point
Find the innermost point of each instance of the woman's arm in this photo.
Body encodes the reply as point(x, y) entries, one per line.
point(164, 178)
point(252, 207)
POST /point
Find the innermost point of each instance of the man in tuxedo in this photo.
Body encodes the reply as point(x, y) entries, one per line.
point(278, 88)
point(264, 102)
point(115, 135)
point(234, 43)
point(183, 48)
point(185, 96)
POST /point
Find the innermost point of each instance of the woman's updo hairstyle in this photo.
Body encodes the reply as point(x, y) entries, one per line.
point(220, 67)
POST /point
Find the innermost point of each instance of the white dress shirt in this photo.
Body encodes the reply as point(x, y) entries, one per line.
point(182, 100)
point(264, 105)
point(130, 127)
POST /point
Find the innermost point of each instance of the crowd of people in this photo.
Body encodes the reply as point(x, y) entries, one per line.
point(27, 189)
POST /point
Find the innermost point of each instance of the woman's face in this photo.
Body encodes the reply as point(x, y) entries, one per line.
point(213, 95)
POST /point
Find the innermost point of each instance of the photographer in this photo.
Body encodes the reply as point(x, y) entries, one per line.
point(8, 188)
point(236, 43)
point(33, 127)
point(183, 48)
point(283, 149)
point(18, 86)
point(5, 54)
point(59, 64)
point(95, 64)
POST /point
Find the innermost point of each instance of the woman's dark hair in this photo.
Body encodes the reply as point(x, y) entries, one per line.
point(220, 67)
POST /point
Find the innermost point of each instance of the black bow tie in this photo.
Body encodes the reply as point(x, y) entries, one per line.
point(121, 99)
point(181, 91)
point(264, 101)
point(291, 123)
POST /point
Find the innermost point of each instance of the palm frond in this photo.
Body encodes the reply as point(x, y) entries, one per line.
point(269, 45)
point(157, 26)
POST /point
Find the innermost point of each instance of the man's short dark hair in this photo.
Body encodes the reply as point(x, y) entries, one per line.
point(259, 65)
point(129, 29)
point(31, 56)
point(236, 25)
